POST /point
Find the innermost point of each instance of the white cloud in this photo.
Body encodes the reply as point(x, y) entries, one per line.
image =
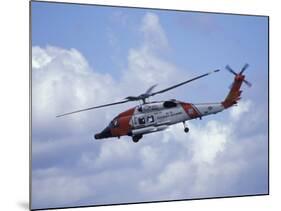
point(243, 106)
point(206, 145)
point(60, 190)
point(168, 184)
point(39, 58)
point(120, 151)
point(154, 35)
point(66, 83)
point(150, 157)
point(146, 65)
point(146, 68)
point(193, 161)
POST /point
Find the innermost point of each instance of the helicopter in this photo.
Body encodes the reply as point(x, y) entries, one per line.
point(154, 116)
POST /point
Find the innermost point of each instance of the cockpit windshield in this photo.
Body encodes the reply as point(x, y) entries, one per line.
point(113, 123)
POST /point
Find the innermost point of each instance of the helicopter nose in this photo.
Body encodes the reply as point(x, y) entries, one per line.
point(97, 136)
point(106, 133)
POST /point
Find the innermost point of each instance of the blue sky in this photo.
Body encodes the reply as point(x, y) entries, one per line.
point(197, 36)
point(88, 55)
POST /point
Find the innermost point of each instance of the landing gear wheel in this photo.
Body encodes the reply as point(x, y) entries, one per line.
point(186, 130)
point(136, 138)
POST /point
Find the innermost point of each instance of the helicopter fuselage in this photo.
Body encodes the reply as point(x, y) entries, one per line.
point(156, 116)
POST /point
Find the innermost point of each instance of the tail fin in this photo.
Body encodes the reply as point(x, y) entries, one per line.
point(235, 92)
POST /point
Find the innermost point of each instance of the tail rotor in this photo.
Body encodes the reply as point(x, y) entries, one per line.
point(240, 74)
point(234, 94)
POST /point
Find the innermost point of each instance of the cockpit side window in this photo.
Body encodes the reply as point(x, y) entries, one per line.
point(114, 123)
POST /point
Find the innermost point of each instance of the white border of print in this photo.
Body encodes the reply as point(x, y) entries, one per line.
point(14, 89)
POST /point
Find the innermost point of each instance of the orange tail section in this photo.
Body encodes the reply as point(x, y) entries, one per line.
point(235, 92)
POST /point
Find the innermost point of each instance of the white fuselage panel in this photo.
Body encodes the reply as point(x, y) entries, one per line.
point(209, 108)
point(153, 118)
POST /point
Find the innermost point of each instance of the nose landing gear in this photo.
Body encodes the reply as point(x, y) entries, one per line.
point(186, 129)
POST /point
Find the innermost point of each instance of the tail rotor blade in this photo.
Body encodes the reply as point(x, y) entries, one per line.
point(244, 68)
point(247, 83)
point(230, 69)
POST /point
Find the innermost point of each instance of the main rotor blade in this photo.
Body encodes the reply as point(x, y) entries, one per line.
point(86, 109)
point(230, 69)
point(132, 98)
point(150, 89)
point(185, 82)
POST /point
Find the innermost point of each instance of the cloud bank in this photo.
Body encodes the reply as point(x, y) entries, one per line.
point(216, 158)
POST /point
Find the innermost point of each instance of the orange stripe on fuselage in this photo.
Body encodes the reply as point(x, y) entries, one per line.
point(124, 126)
point(191, 110)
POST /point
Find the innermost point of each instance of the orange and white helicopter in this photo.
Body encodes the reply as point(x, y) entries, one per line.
point(150, 117)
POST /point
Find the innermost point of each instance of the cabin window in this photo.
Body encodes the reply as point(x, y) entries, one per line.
point(169, 104)
point(141, 120)
point(150, 119)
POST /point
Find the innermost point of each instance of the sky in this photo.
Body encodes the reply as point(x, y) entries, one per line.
point(89, 55)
